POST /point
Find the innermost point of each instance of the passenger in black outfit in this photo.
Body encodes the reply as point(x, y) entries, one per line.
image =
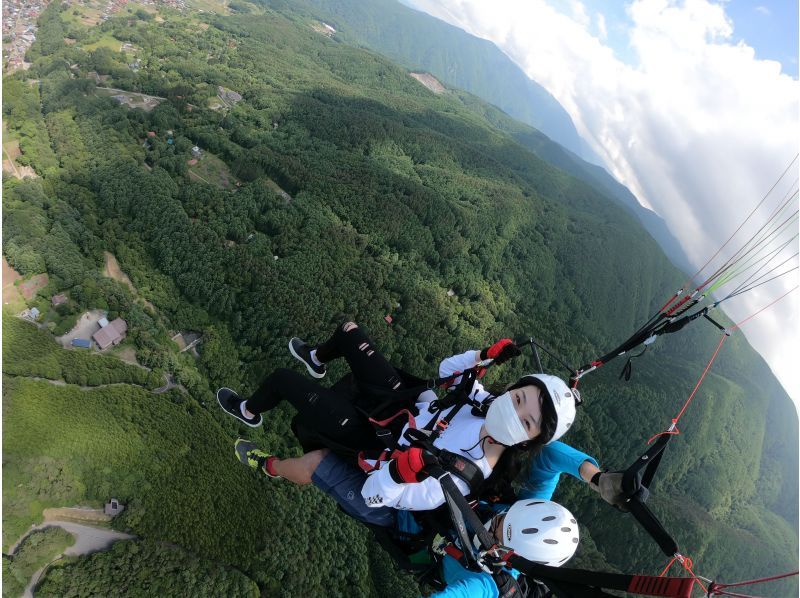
point(333, 413)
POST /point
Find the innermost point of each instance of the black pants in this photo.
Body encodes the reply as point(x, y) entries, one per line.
point(326, 411)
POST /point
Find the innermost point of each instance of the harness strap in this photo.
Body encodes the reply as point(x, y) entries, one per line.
point(385, 422)
point(379, 459)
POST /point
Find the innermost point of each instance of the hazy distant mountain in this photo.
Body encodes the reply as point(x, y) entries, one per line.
point(466, 62)
point(457, 59)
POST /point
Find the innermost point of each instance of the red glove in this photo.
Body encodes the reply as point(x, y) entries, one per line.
point(501, 351)
point(407, 466)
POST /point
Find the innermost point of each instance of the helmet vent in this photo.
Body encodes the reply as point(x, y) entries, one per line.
point(566, 529)
point(573, 521)
point(575, 540)
point(530, 530)
point(538, 502)
point(550, 541)
point(549, 518)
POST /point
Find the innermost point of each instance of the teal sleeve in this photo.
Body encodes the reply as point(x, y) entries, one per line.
point(556, 458)
point(462, 583)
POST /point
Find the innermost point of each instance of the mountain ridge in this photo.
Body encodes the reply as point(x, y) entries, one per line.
point(396, 197)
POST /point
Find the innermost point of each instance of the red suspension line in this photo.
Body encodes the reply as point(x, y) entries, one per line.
point(722, 586)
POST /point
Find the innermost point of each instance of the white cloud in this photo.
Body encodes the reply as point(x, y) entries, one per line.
point(763, 10)
point(601, 26)
point(697, 128)
point(579, 13)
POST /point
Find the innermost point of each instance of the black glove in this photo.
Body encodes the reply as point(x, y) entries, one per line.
point(507, 586)
point(501, 351)
point(609, 486)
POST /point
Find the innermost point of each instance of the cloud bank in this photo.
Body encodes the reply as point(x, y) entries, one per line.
point(693, 124)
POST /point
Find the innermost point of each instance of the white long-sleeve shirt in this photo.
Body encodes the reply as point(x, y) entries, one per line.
point(460, 437)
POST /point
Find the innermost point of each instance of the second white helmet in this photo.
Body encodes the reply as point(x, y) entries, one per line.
point(541, 531)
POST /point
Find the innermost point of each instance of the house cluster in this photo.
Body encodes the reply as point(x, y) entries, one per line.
point(110, 334)
point(19, 28)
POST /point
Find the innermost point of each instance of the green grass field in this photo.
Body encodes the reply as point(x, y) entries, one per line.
point(212, 170)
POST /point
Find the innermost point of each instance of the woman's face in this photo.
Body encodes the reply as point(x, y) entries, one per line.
point(528, 404)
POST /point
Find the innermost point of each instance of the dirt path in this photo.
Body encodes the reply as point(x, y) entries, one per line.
point(12, 162)
point(65, 383)
point(194, 174)
point(169, 382)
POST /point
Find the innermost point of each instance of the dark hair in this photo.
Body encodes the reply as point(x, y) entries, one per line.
point(517, 458)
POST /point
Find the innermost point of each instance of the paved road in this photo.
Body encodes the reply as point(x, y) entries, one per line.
point(88, 539)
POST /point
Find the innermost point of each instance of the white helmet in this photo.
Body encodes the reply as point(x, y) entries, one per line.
point(562, 397)
point(541, 531)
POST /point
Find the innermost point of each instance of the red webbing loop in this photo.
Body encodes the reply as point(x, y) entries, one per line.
point(687, 564)
point(412, 423)
point(673, 429)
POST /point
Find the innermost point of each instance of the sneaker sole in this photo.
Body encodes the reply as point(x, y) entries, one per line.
point(303, 361)
point(241, 419)
point(239, 459)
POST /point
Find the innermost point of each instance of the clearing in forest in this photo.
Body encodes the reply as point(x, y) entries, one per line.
point(33, 284)
point(112, 270)
point(429, 81)
point(212, 170)
point(11, 295)
point(130, 98)
point(126, 354)
point(277, 189)
point(214, 6)
point(11, 152)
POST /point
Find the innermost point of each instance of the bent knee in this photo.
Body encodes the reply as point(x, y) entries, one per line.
point(349, 326)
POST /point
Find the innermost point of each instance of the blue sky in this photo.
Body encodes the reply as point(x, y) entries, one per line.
point(770, 27)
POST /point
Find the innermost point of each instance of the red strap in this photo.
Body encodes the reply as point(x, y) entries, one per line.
point(687, 564)
point(673, 587)
point(366, 467)
point(450, 379)
point(412, 423)
point(454, 552)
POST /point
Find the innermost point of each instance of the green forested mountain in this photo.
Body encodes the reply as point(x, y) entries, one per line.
point(465, 62)
point(337, 186)
point(459, 60)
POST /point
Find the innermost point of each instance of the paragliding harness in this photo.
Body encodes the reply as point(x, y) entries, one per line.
point(637, 478)
point(390, 416)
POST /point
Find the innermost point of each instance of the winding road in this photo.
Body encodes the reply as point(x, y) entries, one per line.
point(88, 539)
